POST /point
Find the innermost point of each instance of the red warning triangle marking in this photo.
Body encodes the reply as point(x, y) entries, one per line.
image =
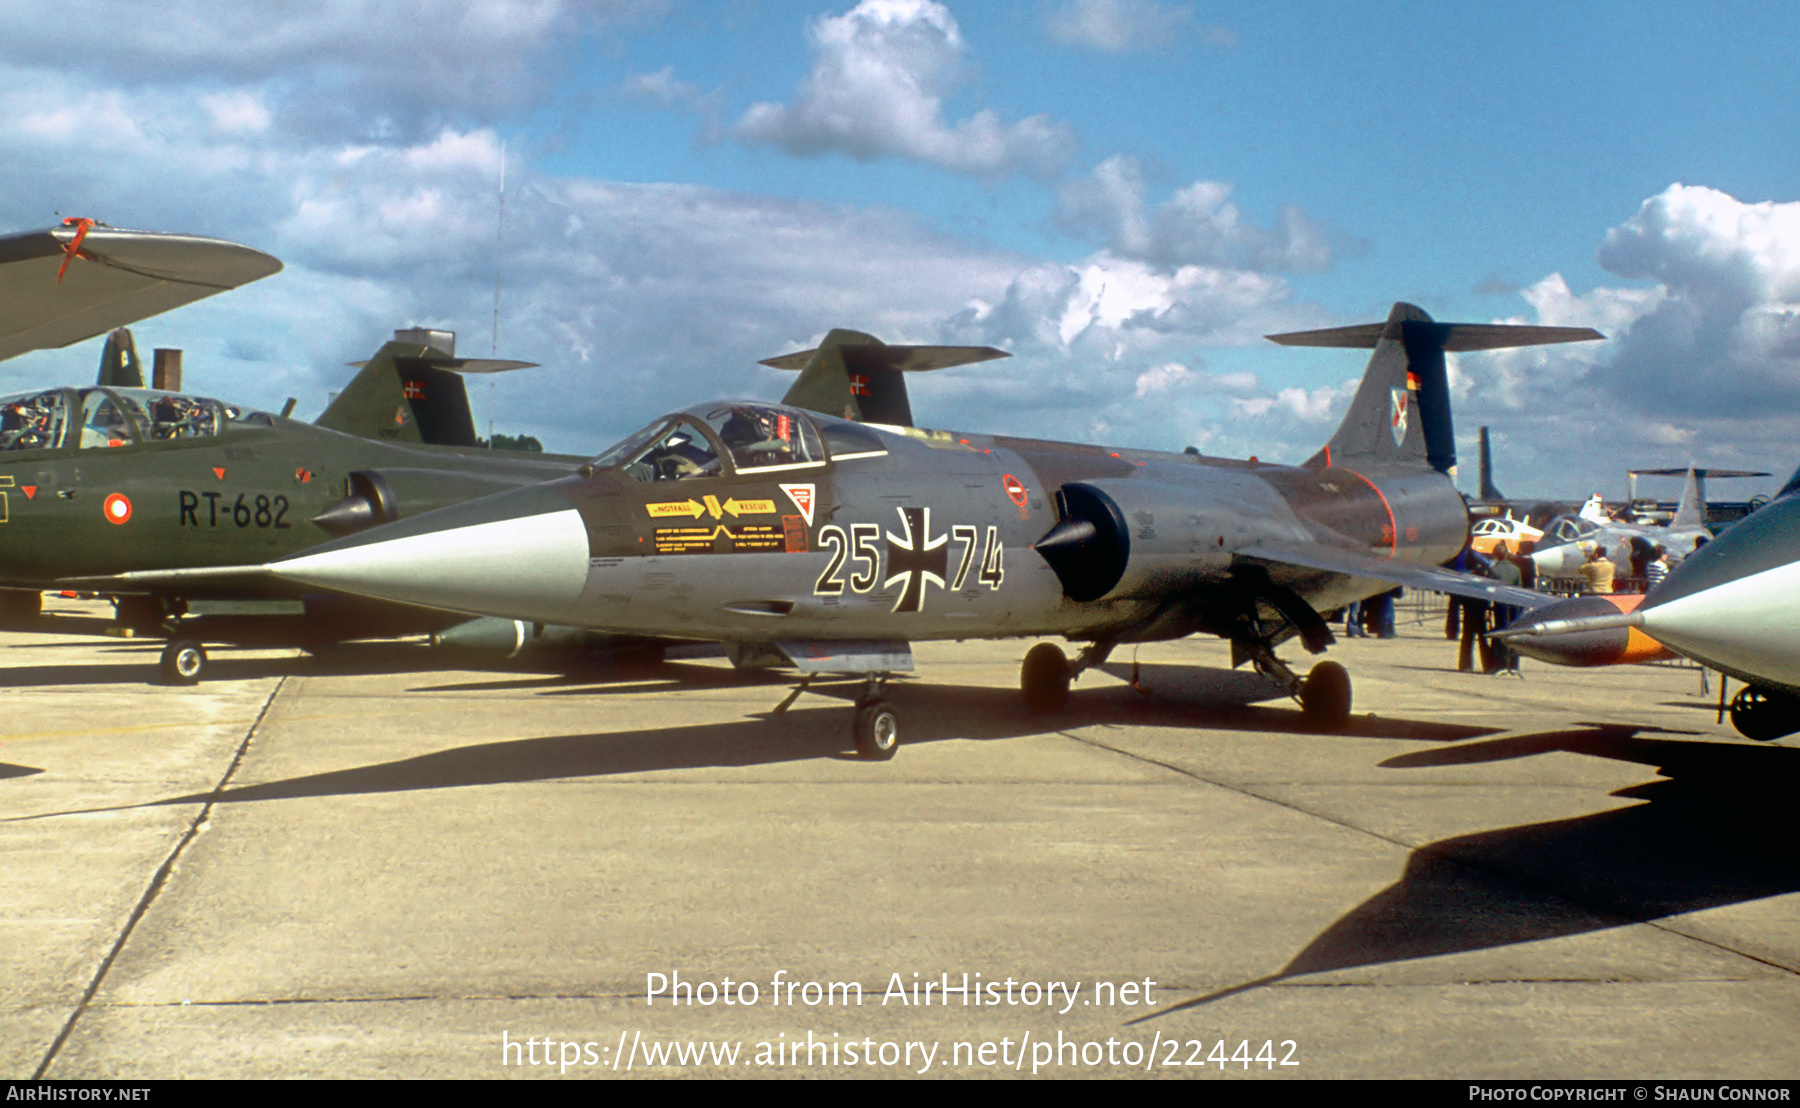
point(30, 491)
point(219, 473)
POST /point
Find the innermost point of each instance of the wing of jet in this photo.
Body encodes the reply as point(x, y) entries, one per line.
point(65, 284)
point(1356, 563)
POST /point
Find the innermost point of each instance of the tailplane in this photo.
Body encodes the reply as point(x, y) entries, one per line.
point(1401, 413)
point(412, 391)
point(857, 376)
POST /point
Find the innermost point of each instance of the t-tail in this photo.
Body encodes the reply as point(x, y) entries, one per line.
point(1401, 413)
point(412, 391)
point(857, 376)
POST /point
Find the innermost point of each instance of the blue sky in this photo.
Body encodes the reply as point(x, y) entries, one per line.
point(1125, 193)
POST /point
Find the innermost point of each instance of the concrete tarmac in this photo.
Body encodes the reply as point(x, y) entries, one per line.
point(359, 865)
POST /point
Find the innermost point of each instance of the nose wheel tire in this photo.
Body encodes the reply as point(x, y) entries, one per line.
point(1764, 714)
point(1325, 697)
point(1044, 679)
point(877, 730)
point(183, 662)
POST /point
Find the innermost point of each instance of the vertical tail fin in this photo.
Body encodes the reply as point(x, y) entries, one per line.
point(1691, 512)
point(857, 376)
point(1488, 491)
point(1401, 412)
point(412, 391)
point(119, 367)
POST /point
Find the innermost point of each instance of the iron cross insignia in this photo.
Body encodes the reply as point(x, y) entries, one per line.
point(916, 558)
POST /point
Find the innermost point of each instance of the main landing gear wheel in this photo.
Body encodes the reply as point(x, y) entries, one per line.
point(1325, 697)
point(1044, 679)
point(877, 730)
point(183, 662)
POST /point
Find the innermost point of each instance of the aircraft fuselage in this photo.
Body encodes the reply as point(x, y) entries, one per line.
point(930, 538)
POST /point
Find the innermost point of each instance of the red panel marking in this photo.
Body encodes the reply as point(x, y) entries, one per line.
point(219, 473)
point(1015, 489)
point(70, 252)
point(30, 491)
point(1390, 532)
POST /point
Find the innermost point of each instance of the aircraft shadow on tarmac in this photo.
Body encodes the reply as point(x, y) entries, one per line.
point(930, 713)
point(1716, 831)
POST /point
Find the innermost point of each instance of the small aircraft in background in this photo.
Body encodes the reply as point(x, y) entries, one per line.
point(798, 537)
point(1568, 540)
point(1733, 605)
point(1487, 534)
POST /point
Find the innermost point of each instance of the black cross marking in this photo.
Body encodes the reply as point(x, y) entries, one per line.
point(917, 558)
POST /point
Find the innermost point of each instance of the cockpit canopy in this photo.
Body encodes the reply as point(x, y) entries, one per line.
point(755, 437)
point(103, 417)
point(1566, 528)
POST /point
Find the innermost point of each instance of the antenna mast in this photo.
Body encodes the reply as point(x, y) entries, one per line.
point(499, 238)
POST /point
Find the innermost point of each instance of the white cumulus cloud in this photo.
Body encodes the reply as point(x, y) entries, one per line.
point(1121, 26)
point(1197, 225)
point(881, 74)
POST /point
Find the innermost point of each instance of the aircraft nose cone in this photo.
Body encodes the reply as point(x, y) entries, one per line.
point(520, 555)
point(1735, 603)
point(1602, 647)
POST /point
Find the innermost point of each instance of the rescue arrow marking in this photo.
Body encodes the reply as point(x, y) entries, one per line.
point(693, 509)
point(750, 507)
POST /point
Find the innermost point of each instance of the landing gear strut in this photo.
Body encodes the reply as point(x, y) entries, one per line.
point(1044, 678)
point(877, 725)
point(1324, 694)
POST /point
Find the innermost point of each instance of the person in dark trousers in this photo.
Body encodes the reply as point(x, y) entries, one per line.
point(1474, 621)
point(1505, 571)
point(1384, 613)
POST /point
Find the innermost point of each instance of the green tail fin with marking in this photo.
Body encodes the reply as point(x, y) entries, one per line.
point(857, 376)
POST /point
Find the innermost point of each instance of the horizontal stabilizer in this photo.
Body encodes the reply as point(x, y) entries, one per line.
point(907, 359)
point(457, 365)
point(1703, 474)
point(112, 278)
point(1455, 338)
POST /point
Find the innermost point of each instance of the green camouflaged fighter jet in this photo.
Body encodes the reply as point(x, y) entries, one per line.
point(116, 477)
